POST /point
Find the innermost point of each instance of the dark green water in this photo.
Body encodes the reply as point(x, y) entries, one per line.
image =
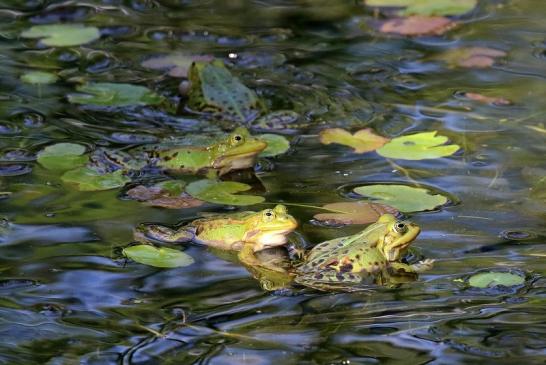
point(68, 298)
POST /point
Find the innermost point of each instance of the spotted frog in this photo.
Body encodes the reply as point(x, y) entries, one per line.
point(377, 251)
point(213, 90)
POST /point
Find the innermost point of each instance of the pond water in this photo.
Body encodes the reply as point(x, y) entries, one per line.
point(69, 297)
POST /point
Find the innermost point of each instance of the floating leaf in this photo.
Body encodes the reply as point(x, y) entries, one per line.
point(177, 63)
point(62, 35)
point(359, 212)
point(495, 278)
point(427, 7)
point(402, 197)
point(62, 156)
point(39, 78)
point(167, 194)
point(91, 180)
point(362, 141)
point(417, 25)
point(418, 146)
point(110, 94)
point(487, 99)
point(276, 145)
point(158, 257)
point(222, 192)
point(471, 57)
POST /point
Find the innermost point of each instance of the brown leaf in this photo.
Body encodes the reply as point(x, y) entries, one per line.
point(472, 57)
point(358, 212)
point(417, 25)
point(487, 99)
point(362, 141)
point(157, 197)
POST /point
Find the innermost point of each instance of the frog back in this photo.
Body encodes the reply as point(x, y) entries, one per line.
point(184, 158)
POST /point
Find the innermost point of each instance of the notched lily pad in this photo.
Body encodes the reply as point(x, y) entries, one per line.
point(362, 141)
point(359, 212)
point(222, 192)
point(276, 145)
point(62, 156)
point(402, 197)
point(166, 194)
point(418, 146)
point(495, 278)
point(158, 257)
point(88, 179)
point(62, 35)
point(111, 94)
point(39, 78)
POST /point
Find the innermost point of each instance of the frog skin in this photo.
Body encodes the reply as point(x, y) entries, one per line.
point(341, 263)
point(258, 230)
point(239, 150)
point(215, 91)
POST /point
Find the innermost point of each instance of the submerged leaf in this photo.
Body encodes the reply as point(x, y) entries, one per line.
point(359, 212)
point(62, 156)
point(402, 197)
point(167, 194)
point(39, 78)
point(158, 257)
point(222, 192)
point(471, 57)
point(90, 180)
point(495, 278)
point(276, 145)
point(362, 141)
point(417, 25)
point(418, 146)
point(486, 99)
point(62, 35)
point(110, 94)
point(177, 63)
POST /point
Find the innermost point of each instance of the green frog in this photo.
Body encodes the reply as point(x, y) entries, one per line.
point(215, 91)
point(239, 150)
point(258, 230)
point(376, 251)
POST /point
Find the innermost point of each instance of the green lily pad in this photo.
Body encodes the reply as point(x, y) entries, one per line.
point(222, 192)
point(110, 94)
point(62, 35)
point(364, 140)
point(39, 78)
point(62, 156)
point(402, 197)
point(276, 145)
point(427, 7)
point(418, 146)
point(158, 257)
point(91, 180)
point(493, 278)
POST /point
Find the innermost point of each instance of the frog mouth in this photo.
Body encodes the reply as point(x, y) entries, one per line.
point(267, 238)
point(394, 250)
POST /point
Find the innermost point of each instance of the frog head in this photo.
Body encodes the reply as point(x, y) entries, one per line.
point(269, 228)
point(396, 236)
point(237, 151)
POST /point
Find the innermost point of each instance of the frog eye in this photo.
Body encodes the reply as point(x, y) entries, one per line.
point(400, 227)
point(269, 215)
point(237, 138)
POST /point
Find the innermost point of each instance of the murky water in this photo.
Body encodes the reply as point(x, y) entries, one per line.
point(67, 295)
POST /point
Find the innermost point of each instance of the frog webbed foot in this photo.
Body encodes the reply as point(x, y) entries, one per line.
point(423, 265)
point(418, 267)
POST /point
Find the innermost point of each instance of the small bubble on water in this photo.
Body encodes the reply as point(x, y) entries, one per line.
point(232, 56)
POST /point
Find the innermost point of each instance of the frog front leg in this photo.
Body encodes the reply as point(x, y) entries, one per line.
point(248, 257)
point(159, 233)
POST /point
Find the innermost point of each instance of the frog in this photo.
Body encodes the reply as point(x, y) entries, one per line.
point(214, 91)
point(374, 253)
point(255, 230)
point(238, 150)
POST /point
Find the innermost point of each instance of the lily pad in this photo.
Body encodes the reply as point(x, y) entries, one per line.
point(62, 35)
point(417, 25)
point(402, 197)
point(494, 278)
point(276, 145)
point(418, 146)
point(62, 156)
point(39, 78)
point(222, 192)
point(487, 99)
point(471, 57)
point(166, 194)
point(362, 141)
point(111, 94)
point(158, 257)
point(177, 64)
point(90, 180)
point(359, 212)
point(427, 7)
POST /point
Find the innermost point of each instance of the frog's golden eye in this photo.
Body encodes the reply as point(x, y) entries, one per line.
point(237, 138)
point(269, 215)
point(400, 227)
